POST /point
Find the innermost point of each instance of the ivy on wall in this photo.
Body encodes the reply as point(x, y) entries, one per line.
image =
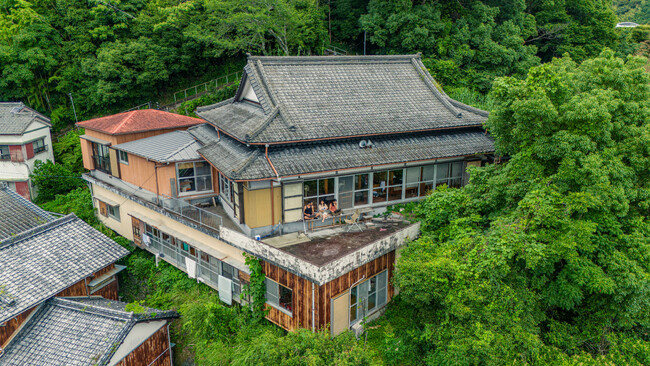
point(256, 289)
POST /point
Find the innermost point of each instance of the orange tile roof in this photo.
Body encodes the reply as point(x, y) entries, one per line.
point(138, 121)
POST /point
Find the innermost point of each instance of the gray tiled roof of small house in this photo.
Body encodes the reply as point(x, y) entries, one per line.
point(239, 162)
point(315, 98)
point(18, 214)
point(147, 315)
point(166, 148)
point(41, 262)
point(65, 332)
point(75, 331)
point(16, 117)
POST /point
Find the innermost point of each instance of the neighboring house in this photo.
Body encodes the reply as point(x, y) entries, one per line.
point(24, 139)
point(366, 131)
point(42, 257)
point(91, 331)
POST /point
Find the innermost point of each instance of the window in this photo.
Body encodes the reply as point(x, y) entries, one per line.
point(279, 297)
point(387, 186)
point(292, 194)
point(231, 273)
point(353, 191)
point(39, 146)
point(450, 174)
point(194, 177)
point(318, 190)
point(101, 157)
point(4, 152)
point(225, 188)
point(124, 157)
point(368, 296)
point(113, 212)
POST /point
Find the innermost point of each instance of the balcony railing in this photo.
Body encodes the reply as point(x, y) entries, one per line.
point(196, 214)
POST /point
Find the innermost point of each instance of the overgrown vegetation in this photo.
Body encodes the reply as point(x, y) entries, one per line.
point(544, 259)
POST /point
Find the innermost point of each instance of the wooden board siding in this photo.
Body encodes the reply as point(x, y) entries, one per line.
point(326, 292)
point(257, 207)
point(110, 291)
point(142, 173)
point(301, 292)
point(154, 351)
point(10, 327)
point(86, 154)
point(115, 165)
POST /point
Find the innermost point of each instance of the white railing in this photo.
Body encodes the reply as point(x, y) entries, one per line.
point(196, 214)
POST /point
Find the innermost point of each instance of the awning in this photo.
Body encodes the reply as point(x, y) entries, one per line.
point(118, 268)
point(106, 200)
point(95, 140)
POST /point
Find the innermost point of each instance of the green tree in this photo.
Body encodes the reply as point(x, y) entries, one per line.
point(545, 257)
point(52, 179)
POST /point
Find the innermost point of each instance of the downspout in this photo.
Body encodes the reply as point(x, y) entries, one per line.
point(313, 309)
point(169, 344)
point(155, 169)
point(266, 152)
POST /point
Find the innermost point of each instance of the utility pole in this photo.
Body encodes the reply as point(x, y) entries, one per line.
point(73, 108)
point(364, 42)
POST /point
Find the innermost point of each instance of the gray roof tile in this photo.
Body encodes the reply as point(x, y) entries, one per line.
point(239, 162)
point(18, 214)
point(43, 261)
point(65, 332)
point(315, 98)
point(165, 148)
point(16, 117)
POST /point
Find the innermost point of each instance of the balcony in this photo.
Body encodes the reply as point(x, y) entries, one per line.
point(102, 163)
point(210, 218)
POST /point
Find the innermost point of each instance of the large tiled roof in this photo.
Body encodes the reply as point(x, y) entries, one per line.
point(239, 162)
point(16, 117)
point(316, 98)
point(138, 121)
point(18, 214)
point(72, 332)
point(165, 148)
point(43, 261)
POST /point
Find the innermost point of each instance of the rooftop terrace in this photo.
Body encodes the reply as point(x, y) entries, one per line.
point(327, 245)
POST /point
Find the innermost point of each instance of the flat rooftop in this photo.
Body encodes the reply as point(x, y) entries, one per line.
point(326, 245)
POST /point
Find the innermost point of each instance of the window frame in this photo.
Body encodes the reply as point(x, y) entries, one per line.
point(41, 148)
point(7, 155)
point(362, 293)
point(273, 285)
point(123, 159)
point(195, 177)
point(113, 212)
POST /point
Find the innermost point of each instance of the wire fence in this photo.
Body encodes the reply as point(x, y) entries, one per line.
point(198, 90)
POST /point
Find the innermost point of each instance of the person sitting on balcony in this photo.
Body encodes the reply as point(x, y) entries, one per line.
point(323, 210)
point(309, 211)
point(334, 209)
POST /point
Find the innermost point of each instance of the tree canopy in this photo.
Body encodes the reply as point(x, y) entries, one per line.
point(545, 257)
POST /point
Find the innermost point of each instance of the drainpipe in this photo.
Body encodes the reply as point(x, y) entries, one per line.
point(313, 309)
point(155, 169)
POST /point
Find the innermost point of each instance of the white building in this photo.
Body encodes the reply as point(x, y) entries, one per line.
point(24, 139)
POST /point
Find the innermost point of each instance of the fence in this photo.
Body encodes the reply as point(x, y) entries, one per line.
point(196, 214)
point(203, 88)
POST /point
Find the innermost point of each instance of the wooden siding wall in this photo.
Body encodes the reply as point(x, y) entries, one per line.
point(86, 154)
point(257, 207)
point(155, 351)
point(78, 289)
point(142, 173)
point(301, 291)
point(11, 326)
point(326, 292)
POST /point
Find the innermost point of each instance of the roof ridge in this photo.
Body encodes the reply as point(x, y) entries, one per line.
point(249, 160)
point(336, 58)
point(265, 123)
point(128, 117)
point(467, 107)
point(428, 80)
point(258, 87)
point(190, 143)
point(94, 309)
point(37, 230)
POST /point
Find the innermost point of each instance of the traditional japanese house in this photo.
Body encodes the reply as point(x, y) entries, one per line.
point(42, 258)
point(359, 132)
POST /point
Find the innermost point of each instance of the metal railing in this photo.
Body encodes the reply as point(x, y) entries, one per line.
point(146, 105)
point(203, 88)
point(196, 214)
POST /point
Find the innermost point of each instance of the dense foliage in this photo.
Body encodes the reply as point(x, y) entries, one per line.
point(112, 55)
point(546, 257)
